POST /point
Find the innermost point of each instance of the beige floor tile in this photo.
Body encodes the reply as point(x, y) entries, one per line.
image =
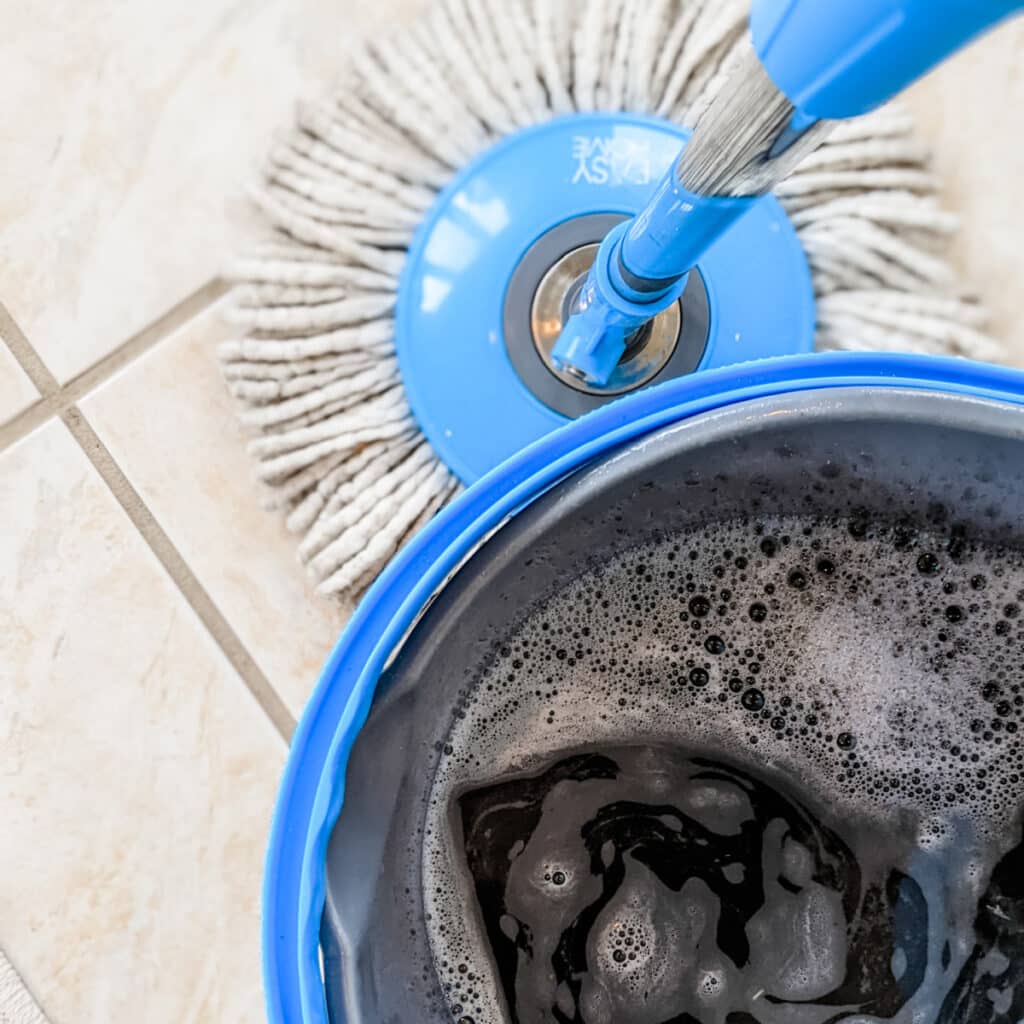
point(136, 774)
point(971, 112)
point(130, 131)
point(16, 390)
point(173, 428)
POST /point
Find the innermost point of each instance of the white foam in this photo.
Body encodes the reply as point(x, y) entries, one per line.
point(875, 650)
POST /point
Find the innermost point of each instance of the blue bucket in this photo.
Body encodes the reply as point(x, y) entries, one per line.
point(313, 789)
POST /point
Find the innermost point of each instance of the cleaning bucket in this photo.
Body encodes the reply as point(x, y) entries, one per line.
point(893, 435)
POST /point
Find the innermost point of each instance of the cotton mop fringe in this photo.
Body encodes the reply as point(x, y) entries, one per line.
point(347, 187)
point(16, 1003)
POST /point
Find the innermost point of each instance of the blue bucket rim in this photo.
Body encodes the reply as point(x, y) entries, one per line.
point(312, 788)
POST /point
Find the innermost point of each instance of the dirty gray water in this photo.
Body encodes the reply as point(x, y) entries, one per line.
point(768, 773)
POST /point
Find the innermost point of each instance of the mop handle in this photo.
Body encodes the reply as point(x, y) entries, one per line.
point(810, 62)
point(840, 59)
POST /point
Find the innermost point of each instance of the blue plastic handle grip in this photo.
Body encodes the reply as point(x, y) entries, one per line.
point(841, 58)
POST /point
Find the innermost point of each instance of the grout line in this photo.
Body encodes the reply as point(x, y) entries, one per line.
point(28, 359)
point(57, 400)
point(30, 419)
point(164, 325)
point(177, 568)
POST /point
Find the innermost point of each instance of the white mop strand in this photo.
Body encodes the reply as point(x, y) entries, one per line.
point(345, 189)
point(16, 1003)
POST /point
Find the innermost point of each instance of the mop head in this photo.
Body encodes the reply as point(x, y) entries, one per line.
point(346, 188)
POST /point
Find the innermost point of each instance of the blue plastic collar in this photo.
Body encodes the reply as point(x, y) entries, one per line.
point(608, 312)
point(659, 247)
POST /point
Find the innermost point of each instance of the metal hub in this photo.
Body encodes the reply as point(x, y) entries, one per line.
point(645, 356)
point(541, 293)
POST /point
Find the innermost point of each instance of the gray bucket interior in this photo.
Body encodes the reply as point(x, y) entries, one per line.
point(893, 454)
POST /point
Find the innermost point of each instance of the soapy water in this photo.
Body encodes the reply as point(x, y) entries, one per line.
point(650, 884)
point(768, 773)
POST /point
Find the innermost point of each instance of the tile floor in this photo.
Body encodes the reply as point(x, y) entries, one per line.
point(157, 639)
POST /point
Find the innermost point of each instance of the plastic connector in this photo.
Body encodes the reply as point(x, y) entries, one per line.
point(608, 312)
point(640, 270)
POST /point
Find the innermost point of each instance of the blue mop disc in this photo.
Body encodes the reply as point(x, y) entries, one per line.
point(478, 391)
